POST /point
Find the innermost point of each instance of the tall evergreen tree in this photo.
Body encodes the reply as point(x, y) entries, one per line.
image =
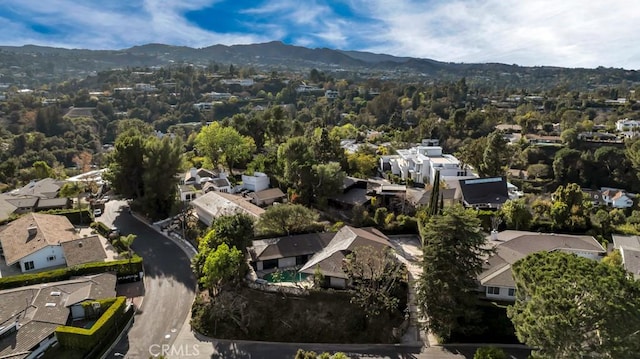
point(453, 252)
point(573, 307)
point(496, 156)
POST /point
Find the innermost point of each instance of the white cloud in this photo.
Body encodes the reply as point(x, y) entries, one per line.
point(569, 33)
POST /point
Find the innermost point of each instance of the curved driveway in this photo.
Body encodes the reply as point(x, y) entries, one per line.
point(169, 286)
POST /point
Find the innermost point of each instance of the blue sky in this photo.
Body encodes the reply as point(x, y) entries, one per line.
point(571, 33)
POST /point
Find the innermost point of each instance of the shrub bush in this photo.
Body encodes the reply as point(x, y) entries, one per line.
point(85, 339)
point(101, 228)
point(122, 268)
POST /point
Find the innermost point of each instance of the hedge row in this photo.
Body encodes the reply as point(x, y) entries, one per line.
point(76, 216)
point(92, 313)
point(122, 267)
point(86, 339)
point(101, 228)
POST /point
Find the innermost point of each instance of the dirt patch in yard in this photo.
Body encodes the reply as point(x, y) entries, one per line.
point(320, 317)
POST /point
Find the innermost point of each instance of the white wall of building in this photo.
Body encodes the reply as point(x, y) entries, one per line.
point(46, 257)
point(258, 182)
point(502, 294)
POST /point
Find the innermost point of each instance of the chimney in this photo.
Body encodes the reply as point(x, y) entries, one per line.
point(494, 235)
point(32, 230)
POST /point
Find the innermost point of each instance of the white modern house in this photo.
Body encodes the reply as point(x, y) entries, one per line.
point(258, 182)
point(496, 280)
point(420, 164)
point(627, 125)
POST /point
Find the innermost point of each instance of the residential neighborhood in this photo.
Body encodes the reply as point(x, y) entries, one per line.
point(380, 211)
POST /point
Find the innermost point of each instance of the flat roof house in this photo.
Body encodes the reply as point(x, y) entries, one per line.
point(215, 204)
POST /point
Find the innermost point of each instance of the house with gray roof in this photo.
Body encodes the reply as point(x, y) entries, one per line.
point(29, 316)
point(329, 260)
point(484, 193)
point(310, 252)
point(215, 204)
point(629, 247)
point(37, 241)
point(286, 252)
point(496, 280)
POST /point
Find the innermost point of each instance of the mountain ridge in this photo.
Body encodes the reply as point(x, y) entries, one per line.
point(278, 56)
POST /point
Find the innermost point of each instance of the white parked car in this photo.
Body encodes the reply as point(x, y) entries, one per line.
point(97, 212)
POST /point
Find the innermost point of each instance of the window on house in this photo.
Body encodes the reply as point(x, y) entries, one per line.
point(512, 292)
point(29, 265)
point(51, 258)
point(493, 290)
point(270, 263)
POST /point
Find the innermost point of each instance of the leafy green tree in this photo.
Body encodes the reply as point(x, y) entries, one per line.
point(570, 208)
point(235, 230)
point(223, 265)
point(296, 161)
point(614, 258)
point(568, 166)
point(572, 307)
point(376, 277)
point(472, 153)
point(224, 144)
point(329, 179)
point(570, 138)
point(453, 252)
point(490, 353)
point(516, 214)
point(380, 215)
point(602, 219)
point(41, 170)
point(496, 156)
point(632, 151)
point(362, 164)
point(287, 219)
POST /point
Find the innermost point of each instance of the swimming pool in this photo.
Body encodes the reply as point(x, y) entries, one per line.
point(286, 276)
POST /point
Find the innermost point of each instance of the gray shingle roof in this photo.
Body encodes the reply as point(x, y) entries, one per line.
point(83, 250)
point(345, 240)
point(41, 308)
point(512, 246)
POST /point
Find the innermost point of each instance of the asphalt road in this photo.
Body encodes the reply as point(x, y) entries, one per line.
point(169, 286)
